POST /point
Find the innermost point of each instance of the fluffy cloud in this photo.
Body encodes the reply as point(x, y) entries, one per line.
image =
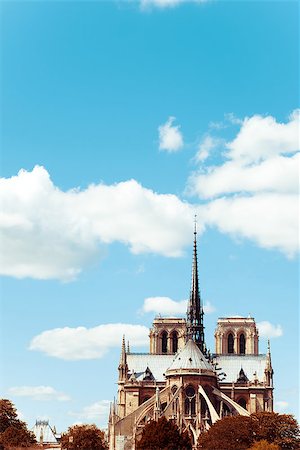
point(268, 330)
point(271, 220)
point(146, 4)
point(258, 184)
point(170, 137)
point(277, 174)
point(88, 343)
point(98, 412)
point(47, 233)
point(39, 393)
point(262, 137)
point(168, 307)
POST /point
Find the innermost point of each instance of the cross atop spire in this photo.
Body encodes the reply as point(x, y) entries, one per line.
point(195, 327)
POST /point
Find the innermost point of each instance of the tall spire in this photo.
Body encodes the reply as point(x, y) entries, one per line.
point(123, 368)
point(195, 327)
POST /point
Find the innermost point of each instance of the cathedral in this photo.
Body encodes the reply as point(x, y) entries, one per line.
point(183, 381)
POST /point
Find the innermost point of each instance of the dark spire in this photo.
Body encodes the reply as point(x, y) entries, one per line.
point(195, 328)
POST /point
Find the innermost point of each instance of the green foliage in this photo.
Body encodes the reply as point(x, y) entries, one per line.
point(163, 435)
point(13, 432)
point(240, 432)
point(84, 437)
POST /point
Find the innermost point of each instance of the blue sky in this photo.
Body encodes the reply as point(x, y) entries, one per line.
point(125, 119)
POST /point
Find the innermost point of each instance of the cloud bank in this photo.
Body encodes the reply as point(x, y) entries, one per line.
point(47, 233)
point(88, 343)
point(253, 193)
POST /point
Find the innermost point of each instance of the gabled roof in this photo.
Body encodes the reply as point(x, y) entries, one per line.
point(190, 358)
point(158, 364)
point(232, 364)
point(44, 433)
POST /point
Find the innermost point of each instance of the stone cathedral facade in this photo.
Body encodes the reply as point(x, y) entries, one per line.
point(181, 380)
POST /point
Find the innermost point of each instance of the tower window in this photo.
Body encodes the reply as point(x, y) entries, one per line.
point(230, 343)
point(164, 342)
point(242, 344)
point(174, 342)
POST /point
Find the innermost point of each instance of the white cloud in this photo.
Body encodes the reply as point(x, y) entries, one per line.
point(262, 137)
point(47, 233)
point(98, 412)
point(88, 343)
point(170, 137)
point(205, 148)
point(268, 330)
point(270, 220)
point(162, 4)
point(258, 182)
point(281, 406)
point(168, 307)
point(39, 393)
point(276, 174)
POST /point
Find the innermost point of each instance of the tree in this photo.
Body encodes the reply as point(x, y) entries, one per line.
point(241, 432)
point(83, 437)
point(230, 433)
point(8, 415)
point(17, 437)
point(264, 445)
point(13, 432)
point(280, 429)
point(163, 435)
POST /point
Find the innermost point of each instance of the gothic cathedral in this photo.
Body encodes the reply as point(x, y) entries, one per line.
point(181, 380)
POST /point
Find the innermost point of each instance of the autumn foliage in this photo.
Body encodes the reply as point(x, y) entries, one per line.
point(83, 437)
point(163, 435)
point(13, 432)
point(242, 433)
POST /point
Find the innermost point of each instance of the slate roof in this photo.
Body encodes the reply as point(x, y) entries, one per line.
point(190, 357)
point(158, 364)
point(43, 428)
point(232, 364)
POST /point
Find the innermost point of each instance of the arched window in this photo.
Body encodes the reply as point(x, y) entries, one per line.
point(242, 344)
point(145, 398)
point(230, 342)
point(174, 338)
point(190, 401)
point(164, 342)
point(242, 402)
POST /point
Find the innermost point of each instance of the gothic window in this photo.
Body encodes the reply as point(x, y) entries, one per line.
point(190, 401)
point(242, 402)
point(242, 344)
point(174, 389)
point(145, 398)
point(164, 342)
point(174, 342)
point(230, 342)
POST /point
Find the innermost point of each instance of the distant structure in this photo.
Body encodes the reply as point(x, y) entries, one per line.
point(181, 380)
point(45, 435)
